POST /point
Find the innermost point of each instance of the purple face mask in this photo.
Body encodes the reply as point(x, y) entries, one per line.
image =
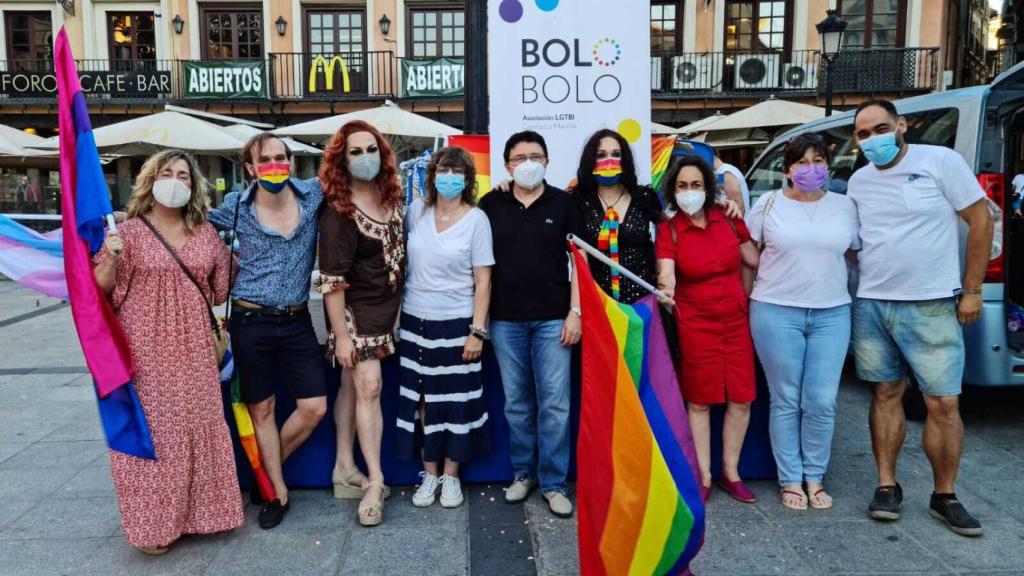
point(810, 179)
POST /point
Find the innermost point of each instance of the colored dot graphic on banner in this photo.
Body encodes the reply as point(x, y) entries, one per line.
point(630, 130)
point(511, 11)
point(607, 52)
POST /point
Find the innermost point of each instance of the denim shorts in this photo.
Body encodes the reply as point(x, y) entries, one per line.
point(265, 346)
point(893, 338)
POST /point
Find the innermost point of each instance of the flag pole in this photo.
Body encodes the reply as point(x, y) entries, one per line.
point(616, 266)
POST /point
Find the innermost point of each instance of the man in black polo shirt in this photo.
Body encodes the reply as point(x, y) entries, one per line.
point(535, 318)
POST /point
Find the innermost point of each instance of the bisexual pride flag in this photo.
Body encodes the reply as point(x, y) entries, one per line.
point(85, 202)
point(640, 510)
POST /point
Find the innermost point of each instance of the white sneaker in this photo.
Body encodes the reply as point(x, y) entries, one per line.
point(451, 491)
point(427, 492)
point(559, 504)
point(519, 489)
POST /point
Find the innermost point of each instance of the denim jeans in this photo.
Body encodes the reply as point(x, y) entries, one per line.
point(802, 351)
point(535, 375)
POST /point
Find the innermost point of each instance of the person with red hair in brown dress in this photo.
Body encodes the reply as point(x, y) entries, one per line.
point(362, 272)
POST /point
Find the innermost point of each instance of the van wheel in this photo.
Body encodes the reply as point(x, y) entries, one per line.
point(913, 403)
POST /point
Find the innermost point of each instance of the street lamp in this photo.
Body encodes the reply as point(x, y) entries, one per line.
point(831, 31)
point(282, 25)
point(179, 24)
point(385, 25)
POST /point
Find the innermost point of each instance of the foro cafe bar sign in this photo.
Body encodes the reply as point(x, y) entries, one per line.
point(142, 84)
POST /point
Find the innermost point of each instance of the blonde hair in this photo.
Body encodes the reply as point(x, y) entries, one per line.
point(142, 192)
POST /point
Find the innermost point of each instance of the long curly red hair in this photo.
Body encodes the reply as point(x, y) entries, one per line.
point(335, 179)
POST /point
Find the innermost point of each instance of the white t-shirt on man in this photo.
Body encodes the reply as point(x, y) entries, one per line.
point(744, 190)
point(909, 226)
point(803, 263)
point(440, 283)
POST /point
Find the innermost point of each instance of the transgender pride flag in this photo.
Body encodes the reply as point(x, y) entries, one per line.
point(32, 259)
point(85, 202)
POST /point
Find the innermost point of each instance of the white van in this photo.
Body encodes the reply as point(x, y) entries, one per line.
point(985, 124)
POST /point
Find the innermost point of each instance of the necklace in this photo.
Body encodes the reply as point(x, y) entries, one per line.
point(447, 217)
point(605, 203)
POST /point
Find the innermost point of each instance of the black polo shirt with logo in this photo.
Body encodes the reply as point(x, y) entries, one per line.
point(531, 279)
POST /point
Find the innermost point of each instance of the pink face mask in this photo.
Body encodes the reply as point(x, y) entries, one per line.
point(810, 179)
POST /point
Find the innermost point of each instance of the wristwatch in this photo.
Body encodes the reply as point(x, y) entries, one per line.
point(479, 333)
point(575, 310)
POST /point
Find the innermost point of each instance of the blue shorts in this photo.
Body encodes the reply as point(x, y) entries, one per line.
point(890, 337)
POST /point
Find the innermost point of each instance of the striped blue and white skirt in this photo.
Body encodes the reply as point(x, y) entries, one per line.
point(453, 420)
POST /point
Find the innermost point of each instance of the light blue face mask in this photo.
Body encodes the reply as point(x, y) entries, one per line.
point(450, 186)
point(880, 150)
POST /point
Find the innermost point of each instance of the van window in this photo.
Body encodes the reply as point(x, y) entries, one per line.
point(936, 127)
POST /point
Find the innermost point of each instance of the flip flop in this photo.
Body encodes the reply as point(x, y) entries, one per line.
point(793, 492)
point(815, 495)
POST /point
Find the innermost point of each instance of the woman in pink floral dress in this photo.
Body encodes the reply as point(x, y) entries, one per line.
point(191, 487)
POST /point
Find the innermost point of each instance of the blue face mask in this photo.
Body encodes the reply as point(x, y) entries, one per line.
point(880, 150)
point(450, 186)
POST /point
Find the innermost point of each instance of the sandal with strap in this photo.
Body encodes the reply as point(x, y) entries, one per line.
point(153, 550)
point(814, 497)
point(794, 492)
point(377, 508)
point(347, 485)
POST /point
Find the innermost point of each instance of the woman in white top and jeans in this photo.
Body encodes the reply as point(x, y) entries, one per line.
point(442, 413)
point(800, 314)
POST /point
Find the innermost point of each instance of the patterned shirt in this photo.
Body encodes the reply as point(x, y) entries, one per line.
point(274, 270)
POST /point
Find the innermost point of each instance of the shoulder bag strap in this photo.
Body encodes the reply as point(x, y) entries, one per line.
point(231, 254)
point(764, 220)
point(177, 259)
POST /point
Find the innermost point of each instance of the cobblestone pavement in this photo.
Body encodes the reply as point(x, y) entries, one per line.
point(59, 514)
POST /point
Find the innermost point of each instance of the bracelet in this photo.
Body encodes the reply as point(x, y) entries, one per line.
point(968, 291)
point(478, 332)
point(575, 310)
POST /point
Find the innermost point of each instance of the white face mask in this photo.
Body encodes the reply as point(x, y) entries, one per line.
point(691, 201)
point(529, 174)
point(171, 192)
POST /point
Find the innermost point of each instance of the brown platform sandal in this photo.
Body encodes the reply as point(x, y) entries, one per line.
point(372, 513)
point(347, 485)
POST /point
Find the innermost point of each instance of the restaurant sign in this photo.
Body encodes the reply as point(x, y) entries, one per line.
point(432, 77)
point(142, 84)
point(226, 80)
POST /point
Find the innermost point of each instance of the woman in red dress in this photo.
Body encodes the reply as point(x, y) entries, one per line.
point(191, 487)
point(703, 257)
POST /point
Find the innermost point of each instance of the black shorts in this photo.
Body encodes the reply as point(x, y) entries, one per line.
point(264, 346)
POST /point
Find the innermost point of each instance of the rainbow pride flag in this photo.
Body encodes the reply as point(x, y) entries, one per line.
point(31, 259)
point(246, 432)
point(661, 157)
point(85, 202)
point(478, 147)
point(640, 510)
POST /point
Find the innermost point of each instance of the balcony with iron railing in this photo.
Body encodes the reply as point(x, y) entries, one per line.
point(376, 75)
point(797, 73)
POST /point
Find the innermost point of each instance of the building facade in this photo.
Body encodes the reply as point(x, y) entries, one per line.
point(285, 61)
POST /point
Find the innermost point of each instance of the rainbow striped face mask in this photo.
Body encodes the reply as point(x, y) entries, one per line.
point(273, 177)
point(608, 171)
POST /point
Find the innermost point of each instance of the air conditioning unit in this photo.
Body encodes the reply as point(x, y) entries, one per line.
point(656, 73)
point(800, 77)
point(695, 72)
point(757, 71)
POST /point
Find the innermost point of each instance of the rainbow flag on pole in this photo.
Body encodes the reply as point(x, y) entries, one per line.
point(640, 510)
point(479, 147)
point(85, 203)
point(246, 431)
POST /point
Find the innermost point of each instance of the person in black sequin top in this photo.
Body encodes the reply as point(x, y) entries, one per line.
point(638, 208)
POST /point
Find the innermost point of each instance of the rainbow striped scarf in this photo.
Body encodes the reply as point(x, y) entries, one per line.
point(640, 510)
point(608, 241)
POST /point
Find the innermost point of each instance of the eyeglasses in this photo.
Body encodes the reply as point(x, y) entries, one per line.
point(515, 160)
point(808, 138)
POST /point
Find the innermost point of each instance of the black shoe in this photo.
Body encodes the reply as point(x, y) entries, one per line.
point(947, 508)
point(272, 514)
point(887, 503)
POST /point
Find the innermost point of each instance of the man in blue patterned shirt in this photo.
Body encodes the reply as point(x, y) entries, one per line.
point(275, 223)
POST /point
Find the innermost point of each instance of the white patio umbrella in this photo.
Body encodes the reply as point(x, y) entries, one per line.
point(244, 132)
point(659, 129)
point(769, 113)
point(700, 125)
point(149, 134)
point(388, 119)
point(14, 142)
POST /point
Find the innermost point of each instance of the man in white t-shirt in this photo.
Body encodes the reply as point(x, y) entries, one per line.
point(733, 184)
point(910, 304)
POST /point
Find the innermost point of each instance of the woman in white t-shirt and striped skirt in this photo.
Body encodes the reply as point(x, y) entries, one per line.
point(442, 412)
point(800, 314)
